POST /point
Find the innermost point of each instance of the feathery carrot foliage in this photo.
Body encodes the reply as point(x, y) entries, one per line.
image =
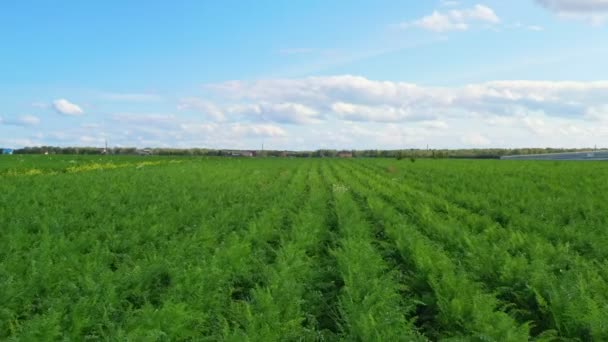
point(276, 249)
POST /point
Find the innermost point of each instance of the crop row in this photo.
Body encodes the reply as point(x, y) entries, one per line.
point(120, 253)
point(551, 287)
point(289, 249)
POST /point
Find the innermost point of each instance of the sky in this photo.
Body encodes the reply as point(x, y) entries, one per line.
point(304, 75)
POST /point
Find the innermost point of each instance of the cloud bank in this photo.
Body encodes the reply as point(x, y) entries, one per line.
point(355, 98)
point(348, 111)
point(351, 111)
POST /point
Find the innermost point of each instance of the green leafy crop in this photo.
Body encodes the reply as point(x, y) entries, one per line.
point(125, 248)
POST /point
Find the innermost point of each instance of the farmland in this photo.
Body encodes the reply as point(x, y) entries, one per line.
point(178, 248)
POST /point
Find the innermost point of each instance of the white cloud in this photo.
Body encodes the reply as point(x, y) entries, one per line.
point(320, 92)
point(599, 113)
point(449, 3)
point(23, 120)
point(198, 128)
point(289, 113)
point(137, 118)
point(19, 142)
point(90, 125)
point(359, 99)
point(89, 140)
point(28, 120)
point(355, 112)
point(189, 132)
point(535, 124)
point(593, 11)
point(475, 140)
point(535, 28)
point(65, 107)
point(434, 124)
point(575, 6)
point(519, 25)
point(205, 107)
point(257, 130)
point(537, 113)
point(283, 112)
point(455, 20)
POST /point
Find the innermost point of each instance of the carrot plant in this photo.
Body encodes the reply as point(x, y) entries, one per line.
point(532, 273)
point(280, 249)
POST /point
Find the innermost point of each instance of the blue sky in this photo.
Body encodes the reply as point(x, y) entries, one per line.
point(304, 74)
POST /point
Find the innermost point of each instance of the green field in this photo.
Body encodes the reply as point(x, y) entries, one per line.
point(278, 249)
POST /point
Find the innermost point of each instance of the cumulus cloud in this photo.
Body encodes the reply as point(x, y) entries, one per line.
point(383, 113)
point(321, 92)
point(386, 113)
point(455, 20)
point(170, 130)
point(355, 112)
point(63, 106)
point(355, 98)
point(282, 112)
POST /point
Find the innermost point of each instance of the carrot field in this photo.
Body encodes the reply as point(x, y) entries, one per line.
point(281, 249)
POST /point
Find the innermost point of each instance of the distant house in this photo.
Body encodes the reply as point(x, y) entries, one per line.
point(7, 151)
point(345, 154)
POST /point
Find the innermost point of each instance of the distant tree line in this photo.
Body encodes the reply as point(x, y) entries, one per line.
point(493, 153)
